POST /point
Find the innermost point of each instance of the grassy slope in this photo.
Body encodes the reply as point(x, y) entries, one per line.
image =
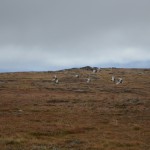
point(37, 114)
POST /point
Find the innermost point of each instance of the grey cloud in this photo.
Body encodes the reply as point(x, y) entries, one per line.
point(74, 32)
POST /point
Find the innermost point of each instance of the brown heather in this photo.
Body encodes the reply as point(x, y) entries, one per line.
point(37, 114)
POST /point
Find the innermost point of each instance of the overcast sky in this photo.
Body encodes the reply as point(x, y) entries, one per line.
point(38, 35)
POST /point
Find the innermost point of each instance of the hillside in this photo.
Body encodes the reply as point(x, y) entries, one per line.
point(38, 114)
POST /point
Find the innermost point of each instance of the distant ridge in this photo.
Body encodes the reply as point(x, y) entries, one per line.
point(83, 68)
point(88, 68)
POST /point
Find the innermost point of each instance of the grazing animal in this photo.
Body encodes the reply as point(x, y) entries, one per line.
point(54, 78)
point(56, 81)
point(95, 70)
point(88, 80)
point(113, 79)
point(120, 80)
point(77, 76)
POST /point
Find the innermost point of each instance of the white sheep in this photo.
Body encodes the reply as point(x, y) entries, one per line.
point(113, 79)
point(88, 80)
point(54, 78)
point(56, 81)
point(77, 76)
point(95, 70)
point(120, 80)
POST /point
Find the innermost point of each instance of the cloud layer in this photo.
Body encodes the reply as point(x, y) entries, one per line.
point(54, 34)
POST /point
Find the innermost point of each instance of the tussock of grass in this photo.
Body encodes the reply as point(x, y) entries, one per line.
point(118, 144)
point(12, 141)
point(136, 127)
point(60, 132)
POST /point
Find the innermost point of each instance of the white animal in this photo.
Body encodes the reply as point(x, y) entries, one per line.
point(88, 80)
point(95, 70)
point(120, 80)
point(77, 76)
point(113, 79)
point(54, 78)
point(56, 81)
